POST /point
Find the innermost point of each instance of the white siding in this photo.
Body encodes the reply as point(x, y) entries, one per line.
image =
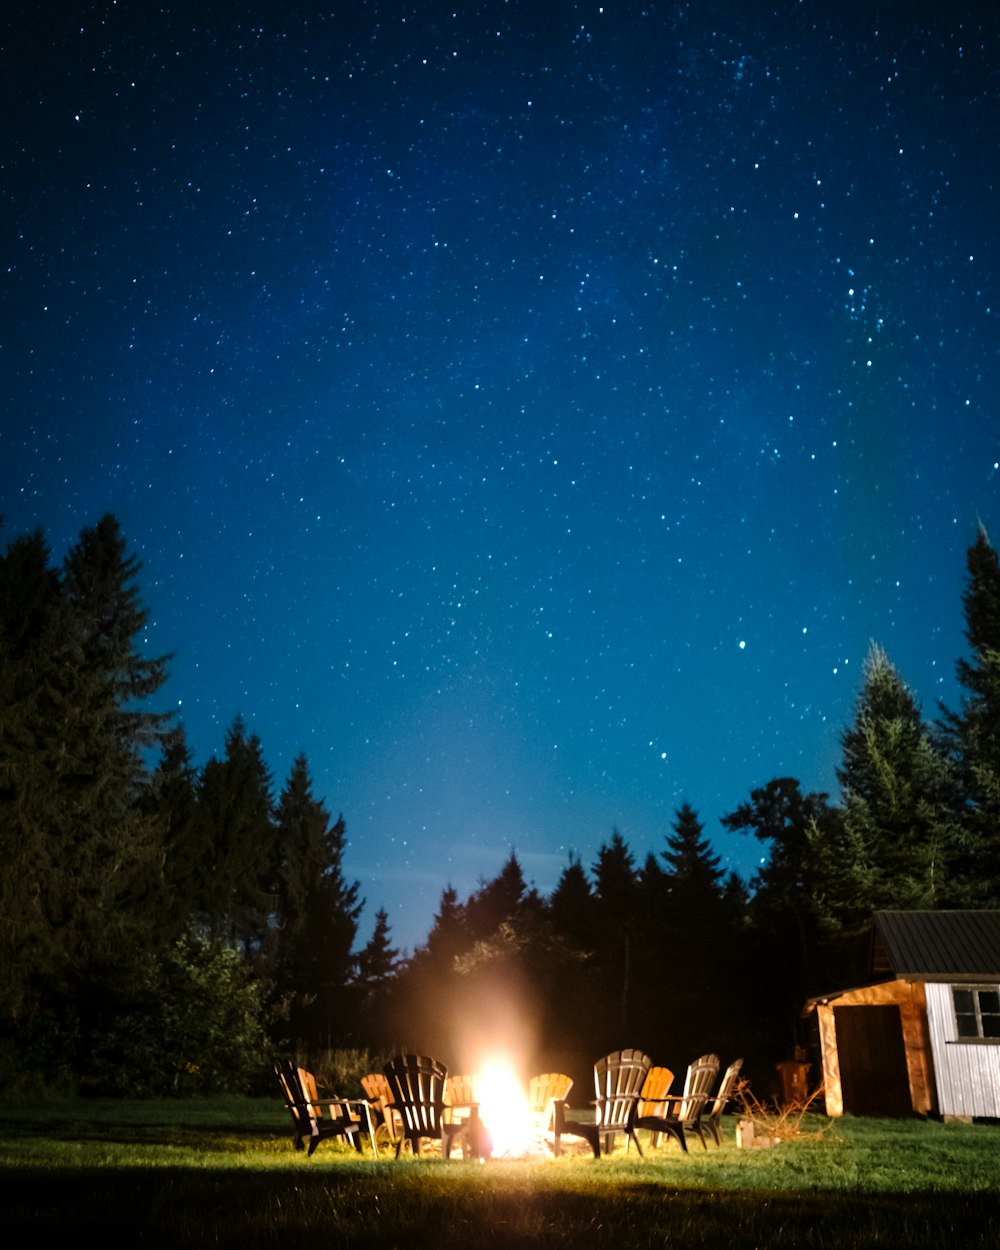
point(967, 1075)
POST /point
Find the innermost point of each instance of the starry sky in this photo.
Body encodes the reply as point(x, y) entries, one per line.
point(529, 411)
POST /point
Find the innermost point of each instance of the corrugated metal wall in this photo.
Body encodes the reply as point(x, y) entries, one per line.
point(967, 1074)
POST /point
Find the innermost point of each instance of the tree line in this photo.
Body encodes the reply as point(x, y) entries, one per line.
point(166, 928)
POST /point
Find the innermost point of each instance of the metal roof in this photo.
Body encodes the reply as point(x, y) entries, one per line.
point(937, 945)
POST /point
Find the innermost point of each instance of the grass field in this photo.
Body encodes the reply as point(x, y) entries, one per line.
point(223, 1173)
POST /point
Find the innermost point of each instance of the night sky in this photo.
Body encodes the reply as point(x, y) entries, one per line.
point(528, 410)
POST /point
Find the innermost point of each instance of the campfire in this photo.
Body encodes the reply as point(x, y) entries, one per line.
point(504, 1111)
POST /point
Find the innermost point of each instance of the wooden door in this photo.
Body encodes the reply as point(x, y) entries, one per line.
point(873, 1072)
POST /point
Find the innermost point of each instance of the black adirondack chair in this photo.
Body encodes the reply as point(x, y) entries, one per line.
point(417, 1085)
point(318, 1118)
point(618, 1081)
point(680, 1114)
point(712, 1117)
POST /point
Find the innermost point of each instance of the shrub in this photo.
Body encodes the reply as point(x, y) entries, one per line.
point(193, 1025)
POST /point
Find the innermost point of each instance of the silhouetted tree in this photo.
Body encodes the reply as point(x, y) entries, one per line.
point(782, 906)
point(317, 914)
point(172, 801)
point(616, 895)
point(896, 795)
point(502, 898)
point(236, 804)
point(378, 968)
point(31, 710)
point(974, 733)
point(572, 907)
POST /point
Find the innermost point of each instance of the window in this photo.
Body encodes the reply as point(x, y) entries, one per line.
point(977, 1010)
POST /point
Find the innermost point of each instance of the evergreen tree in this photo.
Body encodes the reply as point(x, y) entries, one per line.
point(236, 805)
point(378, 962)
point(73, 753)
point(31, 707)
point(616, 891)
point(449, 935)
point(379, 965)
point(317, 911)
point(974, 734)
point(82, 855)
point(693, 868)
point(698, 931)
point(506, 897)
point(572, 907)
point(172, 801)
point(897, 792)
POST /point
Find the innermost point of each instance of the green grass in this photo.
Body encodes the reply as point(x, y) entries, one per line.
point(223, 1173)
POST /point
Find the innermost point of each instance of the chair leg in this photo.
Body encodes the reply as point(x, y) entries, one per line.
point(675, 1130)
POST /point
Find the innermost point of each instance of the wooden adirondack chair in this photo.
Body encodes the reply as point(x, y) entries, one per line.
point(388, 1125)
point(543, 1092)
point(712, 1117)
point(655, 1087)
point(680, 1114)
point(312, 1123)
point(618, 1078)
point(461, 1099)
point(417, 1088)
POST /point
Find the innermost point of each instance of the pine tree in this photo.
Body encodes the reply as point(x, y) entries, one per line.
point(318, 911)
point(449, 935)
point(505, 897)
point(695, 918)
point(82, 855)
point(379, 966)
point(896, 789)
point(236, 805)
point(378, 962)
point(172, 801)
point(694, 870)
point(31, 631)
point(974, 734)
point(572, 907)
point(616, 891)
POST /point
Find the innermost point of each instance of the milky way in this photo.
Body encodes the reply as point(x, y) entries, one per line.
point(529, 411)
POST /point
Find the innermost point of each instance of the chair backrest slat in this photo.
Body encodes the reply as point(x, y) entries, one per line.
point(618, 1080)
point(698, 1086)
point(417, 1085)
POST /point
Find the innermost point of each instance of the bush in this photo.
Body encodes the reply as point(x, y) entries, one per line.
point(192, 1026)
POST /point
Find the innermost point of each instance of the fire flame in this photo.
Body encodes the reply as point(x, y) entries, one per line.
point(503, 1108)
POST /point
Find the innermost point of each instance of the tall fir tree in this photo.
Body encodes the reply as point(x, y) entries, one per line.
point(897, 792)
point(697, 922)
point(31, 709)
point(572, 907)
point(172, 801)
point(379, 965)
point(505, 897)
point(85, 851)
point(974, 733)
point(236, 805)
point(318, 910)
point(616, 894)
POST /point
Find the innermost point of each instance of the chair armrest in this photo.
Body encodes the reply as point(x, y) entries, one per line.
point(664, 1102)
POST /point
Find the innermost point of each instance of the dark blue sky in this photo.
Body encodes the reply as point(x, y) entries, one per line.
point(529, 411)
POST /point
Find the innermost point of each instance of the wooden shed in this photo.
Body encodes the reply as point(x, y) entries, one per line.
point(926, 1037)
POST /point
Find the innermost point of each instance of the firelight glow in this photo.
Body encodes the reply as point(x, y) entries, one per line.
point(503, 1108)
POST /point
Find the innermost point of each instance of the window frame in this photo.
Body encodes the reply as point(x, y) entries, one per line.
point(979, 1038)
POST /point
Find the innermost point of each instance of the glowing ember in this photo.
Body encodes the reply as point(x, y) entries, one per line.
point(503, 1108)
